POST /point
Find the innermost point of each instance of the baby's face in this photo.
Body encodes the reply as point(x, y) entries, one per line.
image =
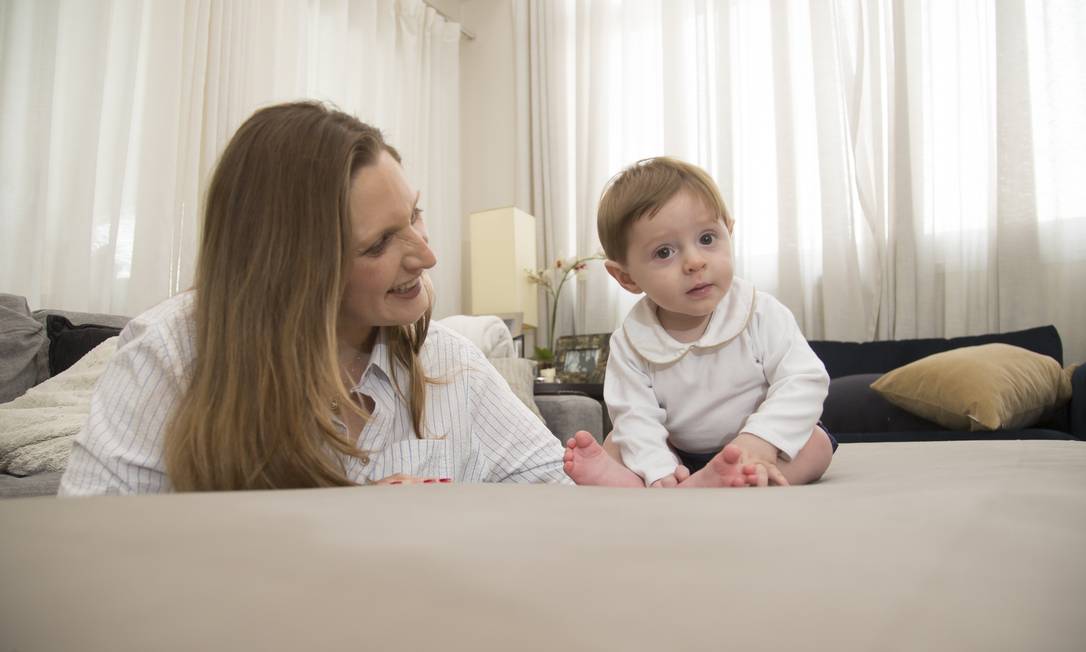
point(682, 259)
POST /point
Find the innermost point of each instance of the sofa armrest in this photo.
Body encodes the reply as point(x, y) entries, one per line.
point(565, 414)
point(1076, 409)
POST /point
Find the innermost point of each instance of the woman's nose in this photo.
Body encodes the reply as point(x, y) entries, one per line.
point(420, 255)
point(420, 229)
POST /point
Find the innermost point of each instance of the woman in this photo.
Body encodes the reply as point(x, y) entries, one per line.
point(304, 355)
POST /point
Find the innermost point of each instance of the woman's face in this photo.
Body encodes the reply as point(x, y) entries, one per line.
point(390, 252)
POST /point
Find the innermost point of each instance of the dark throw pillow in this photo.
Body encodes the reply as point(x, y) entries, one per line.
point(68, 343)
point(852, 406)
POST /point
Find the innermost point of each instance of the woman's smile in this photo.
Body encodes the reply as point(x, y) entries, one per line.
point(408, 290)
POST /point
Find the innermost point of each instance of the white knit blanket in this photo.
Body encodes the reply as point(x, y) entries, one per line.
point(36, 429)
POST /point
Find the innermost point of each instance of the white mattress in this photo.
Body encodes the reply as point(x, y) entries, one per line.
point(912, 546)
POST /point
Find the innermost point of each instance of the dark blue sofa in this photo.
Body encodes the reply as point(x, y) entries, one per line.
point(854, 412)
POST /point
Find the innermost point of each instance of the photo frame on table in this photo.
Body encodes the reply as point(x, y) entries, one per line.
point(582, 358)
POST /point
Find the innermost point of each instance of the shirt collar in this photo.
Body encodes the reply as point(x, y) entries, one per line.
point(647, 337)
point(380, 360)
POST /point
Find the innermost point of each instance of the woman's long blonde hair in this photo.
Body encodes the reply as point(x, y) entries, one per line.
point(271, 273)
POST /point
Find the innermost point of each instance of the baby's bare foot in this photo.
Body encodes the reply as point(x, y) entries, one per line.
point(588, 464)
point(724, 470)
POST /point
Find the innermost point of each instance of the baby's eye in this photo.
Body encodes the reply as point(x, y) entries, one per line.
point(707, 238)
point(663, 253)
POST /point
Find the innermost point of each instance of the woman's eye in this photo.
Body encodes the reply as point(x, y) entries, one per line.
point(662, 253)
point(416, 215)
point(378, 247)
point(707, 239)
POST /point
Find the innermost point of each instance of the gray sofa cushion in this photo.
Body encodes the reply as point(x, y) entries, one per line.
point(42, 484)
point(76, 317)
point(21, 341)
point(565, 414)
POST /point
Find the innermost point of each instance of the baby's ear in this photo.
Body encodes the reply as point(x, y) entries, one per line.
point(619, 273)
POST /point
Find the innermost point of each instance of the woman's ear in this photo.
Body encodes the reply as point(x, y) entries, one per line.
point(619, 273)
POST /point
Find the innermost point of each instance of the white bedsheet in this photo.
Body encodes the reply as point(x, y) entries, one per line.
point(912, 546)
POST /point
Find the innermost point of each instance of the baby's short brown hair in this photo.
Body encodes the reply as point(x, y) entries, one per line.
point(641, 190)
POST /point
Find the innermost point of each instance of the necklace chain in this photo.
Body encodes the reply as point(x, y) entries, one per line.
point(347, 369)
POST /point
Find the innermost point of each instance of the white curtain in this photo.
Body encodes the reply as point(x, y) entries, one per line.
point(896, 169)
point(112, 116)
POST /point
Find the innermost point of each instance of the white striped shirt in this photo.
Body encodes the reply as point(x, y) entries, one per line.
point(476, 429)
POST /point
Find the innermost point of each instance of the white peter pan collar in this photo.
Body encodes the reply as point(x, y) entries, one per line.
point(647, 337)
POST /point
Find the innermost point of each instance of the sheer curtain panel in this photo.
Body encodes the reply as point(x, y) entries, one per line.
point(896, 169)
point(112, 115)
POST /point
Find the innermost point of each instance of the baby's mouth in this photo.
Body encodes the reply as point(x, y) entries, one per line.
point(699, 287)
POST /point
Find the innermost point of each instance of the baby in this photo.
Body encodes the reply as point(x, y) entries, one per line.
point(709, 381)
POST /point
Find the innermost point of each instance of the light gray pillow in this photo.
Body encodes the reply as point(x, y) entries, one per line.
point(520, 374)
point(488, 332)
point(21, 338)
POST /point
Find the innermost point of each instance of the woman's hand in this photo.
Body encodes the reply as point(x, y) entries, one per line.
point(403, 478)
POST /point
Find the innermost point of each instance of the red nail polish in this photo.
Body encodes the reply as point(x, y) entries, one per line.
point(396, 482)
point(445, 480)
point(431, 480)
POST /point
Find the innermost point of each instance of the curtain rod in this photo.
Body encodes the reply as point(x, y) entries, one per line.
point(468, 35)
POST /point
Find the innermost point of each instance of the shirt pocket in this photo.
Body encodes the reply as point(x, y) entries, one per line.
point(429, 458)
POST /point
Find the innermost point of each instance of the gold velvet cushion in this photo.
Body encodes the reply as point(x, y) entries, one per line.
point(988, 387)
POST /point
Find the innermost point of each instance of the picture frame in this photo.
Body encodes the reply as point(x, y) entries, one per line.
point(518, 345)
point(582, 358)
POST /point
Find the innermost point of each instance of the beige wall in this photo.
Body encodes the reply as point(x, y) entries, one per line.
point(487, 96)
point(451, 8)
point(487, 117)
point(487, 113)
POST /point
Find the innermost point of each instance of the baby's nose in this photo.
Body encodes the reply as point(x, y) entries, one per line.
point(694, 263)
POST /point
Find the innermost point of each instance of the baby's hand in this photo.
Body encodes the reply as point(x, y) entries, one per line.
point(759, 461)
point(665, 482)
point(681, 473)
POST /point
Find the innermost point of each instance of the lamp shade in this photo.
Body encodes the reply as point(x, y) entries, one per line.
point(502, 250)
